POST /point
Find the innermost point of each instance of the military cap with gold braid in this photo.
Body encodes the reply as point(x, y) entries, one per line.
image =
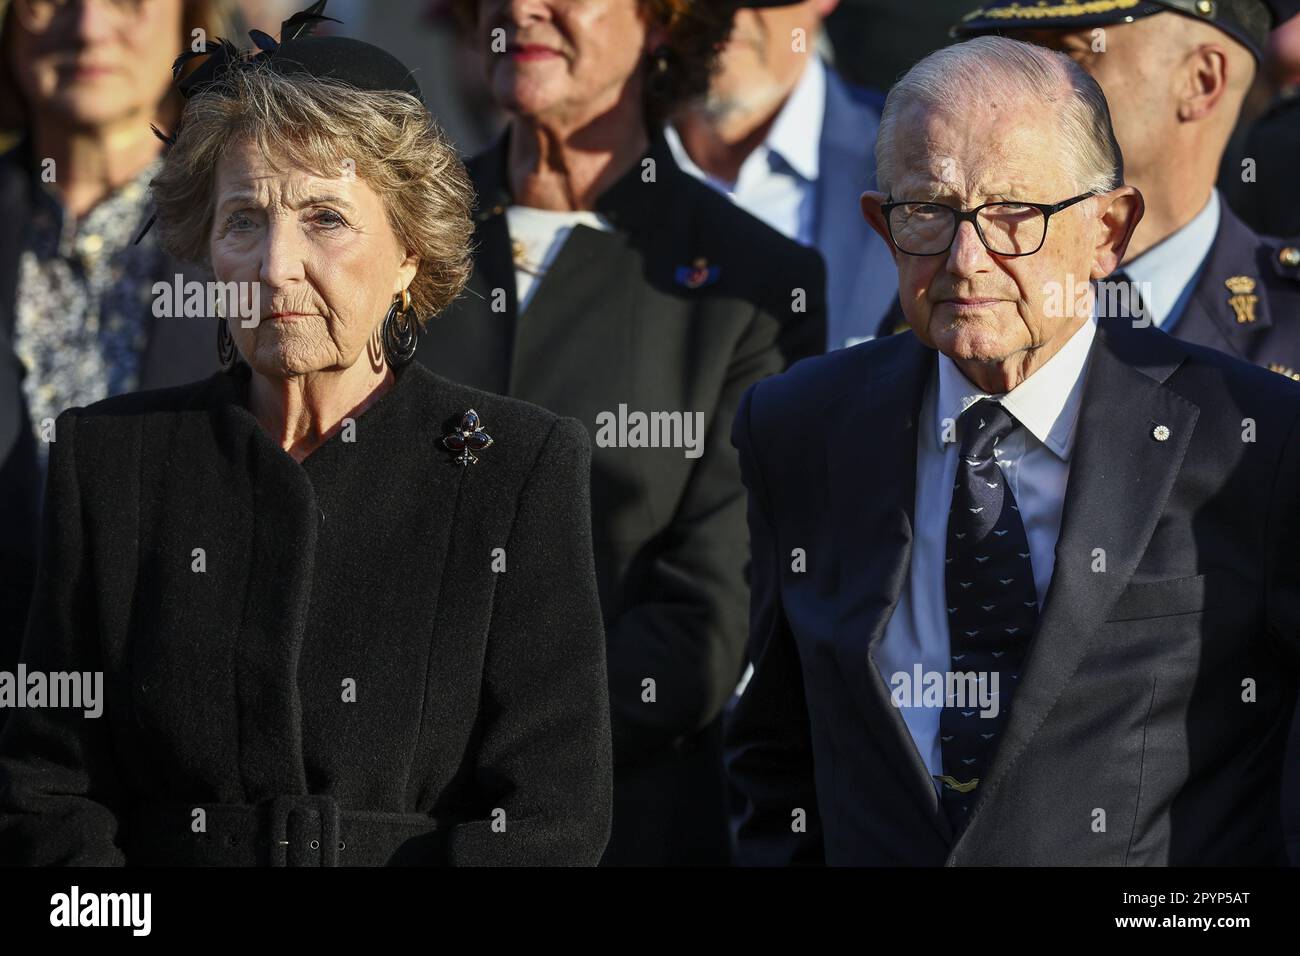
point(1247, 21)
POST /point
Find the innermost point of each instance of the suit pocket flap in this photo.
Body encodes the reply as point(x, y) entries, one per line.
point(1200, 592)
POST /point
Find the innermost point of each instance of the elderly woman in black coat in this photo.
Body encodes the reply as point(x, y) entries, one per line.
point(337, 622)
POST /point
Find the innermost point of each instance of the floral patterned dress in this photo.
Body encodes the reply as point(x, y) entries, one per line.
point(84, 300)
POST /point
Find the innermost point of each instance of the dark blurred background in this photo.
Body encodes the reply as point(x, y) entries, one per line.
point(875, 41)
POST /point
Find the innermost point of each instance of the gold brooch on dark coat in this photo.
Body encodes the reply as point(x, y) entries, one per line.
point(468, 438)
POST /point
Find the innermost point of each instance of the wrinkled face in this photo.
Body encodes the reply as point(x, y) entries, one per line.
point(326, 258)
point(94, 62)
point(564, 59)
point(969, 303)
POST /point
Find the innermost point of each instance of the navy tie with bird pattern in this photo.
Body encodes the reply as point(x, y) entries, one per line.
point(992, 605)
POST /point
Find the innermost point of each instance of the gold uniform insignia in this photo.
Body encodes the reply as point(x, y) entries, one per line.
point(1042, 11)
point(1243, 298)
point(1284, 370)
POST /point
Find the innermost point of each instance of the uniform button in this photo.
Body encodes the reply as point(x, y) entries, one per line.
point(92, 244)
point(1290, 256)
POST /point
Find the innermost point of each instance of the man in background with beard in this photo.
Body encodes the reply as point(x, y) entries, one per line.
point(791, 142)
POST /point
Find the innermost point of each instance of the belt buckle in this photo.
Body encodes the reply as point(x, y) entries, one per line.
point(304, 830)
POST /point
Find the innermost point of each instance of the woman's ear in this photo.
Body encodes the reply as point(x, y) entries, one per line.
point(1119, 213)
point(406, 272)
point(871, 203)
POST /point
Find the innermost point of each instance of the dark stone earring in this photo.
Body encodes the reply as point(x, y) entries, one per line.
point(400, 332)
point(659, 78)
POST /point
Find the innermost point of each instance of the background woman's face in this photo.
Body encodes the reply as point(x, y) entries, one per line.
point(326, 258)
point(563, 59)
point(95, 62)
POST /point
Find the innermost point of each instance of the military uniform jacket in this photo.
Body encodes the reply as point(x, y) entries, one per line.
point(326, 659)
point(1247, 298)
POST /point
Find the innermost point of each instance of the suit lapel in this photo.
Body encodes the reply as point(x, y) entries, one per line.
point(577, 314)
point(576, 319)
point(1120, 479)
point(872, 431)
point(582, 314)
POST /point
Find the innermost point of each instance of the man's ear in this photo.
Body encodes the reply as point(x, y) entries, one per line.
point(1119, 212)
point(1204, 82)
point(871, 203)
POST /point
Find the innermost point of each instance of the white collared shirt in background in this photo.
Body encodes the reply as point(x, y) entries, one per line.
point(777, 181)
point(1036, 463)
point(1167, 272)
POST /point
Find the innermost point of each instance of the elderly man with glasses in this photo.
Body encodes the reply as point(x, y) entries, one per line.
point(1027, 592)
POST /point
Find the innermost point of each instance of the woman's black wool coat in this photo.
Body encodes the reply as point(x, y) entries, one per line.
point(375, 656)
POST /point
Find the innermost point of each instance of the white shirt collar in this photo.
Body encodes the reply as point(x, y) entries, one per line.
point(1046, 403)
point(1164, 270)
point(795, 134)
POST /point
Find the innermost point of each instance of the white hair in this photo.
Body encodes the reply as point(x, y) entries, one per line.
point(977, 70)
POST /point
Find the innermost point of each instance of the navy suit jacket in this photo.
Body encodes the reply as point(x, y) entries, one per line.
point(1129, 742)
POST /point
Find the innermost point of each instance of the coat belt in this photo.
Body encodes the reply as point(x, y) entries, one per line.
point(283, 831)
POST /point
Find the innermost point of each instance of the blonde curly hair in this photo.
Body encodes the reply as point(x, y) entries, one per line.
point(387, 138)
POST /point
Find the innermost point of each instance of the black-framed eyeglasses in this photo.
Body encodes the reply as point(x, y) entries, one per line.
point(1005, 228)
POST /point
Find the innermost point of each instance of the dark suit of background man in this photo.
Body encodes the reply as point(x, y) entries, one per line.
point(790, 141)
point(1210, 278)
point(1137, 635)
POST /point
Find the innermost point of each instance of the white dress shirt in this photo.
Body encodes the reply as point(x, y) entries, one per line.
point(536, 237)
point(777, 181)
point(1167, 272)
point(1036, 463)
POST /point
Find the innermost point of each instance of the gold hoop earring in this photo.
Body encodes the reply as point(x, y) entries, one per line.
point(400, 332)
